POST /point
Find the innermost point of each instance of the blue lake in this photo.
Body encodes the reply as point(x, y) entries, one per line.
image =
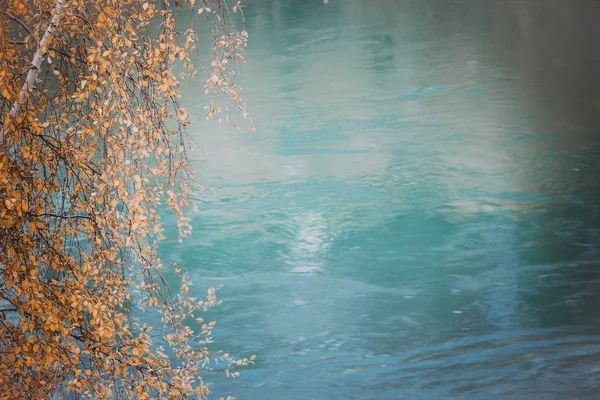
point(417, 215)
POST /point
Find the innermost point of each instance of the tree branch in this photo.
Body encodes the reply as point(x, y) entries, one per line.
point(34, 68)
point(18, 21)
point(67, 55)
point(66, 216)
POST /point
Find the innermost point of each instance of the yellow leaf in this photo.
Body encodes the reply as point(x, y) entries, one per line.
point(51, 53)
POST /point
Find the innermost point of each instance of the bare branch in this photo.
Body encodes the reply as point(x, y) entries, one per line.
point(18, 21)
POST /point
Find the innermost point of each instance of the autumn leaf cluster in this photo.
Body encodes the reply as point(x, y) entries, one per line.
point(92, 142)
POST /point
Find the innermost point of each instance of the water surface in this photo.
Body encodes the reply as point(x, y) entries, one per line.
point(417, 214)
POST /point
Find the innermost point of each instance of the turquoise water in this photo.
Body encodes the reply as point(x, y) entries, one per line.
point(417, 214)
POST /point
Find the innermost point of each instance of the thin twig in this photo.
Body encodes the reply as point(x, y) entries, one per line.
point(67, 55)
point(18, 21)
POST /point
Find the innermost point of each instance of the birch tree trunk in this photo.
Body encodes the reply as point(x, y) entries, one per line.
point(34, 69)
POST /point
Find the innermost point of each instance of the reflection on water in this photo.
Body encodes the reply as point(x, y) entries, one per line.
point(417, 215)
point(307, 250)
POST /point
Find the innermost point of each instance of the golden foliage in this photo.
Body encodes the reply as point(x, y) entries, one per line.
point(92, 141)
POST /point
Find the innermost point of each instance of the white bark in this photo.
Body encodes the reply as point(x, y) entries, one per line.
point(34, 68)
